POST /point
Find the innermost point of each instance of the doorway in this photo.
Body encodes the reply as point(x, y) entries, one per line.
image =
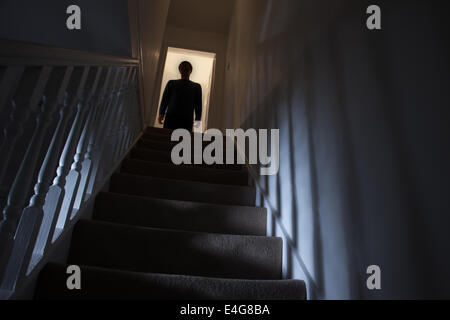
point(203, 73)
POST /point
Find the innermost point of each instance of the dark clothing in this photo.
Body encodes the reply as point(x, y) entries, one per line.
point(180, 99)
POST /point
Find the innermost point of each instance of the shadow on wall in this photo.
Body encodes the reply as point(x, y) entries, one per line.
point(104, 24)
point(295, 187)
point(362, 122)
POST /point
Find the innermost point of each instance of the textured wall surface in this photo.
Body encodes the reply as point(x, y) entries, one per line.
point(152, 25)
point(363, 118)
point(104, 24)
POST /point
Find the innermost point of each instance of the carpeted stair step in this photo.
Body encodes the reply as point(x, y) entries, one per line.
point(163, 133)
point(129, 248)
point(165, 157)
point(97, 283)
point(168, 145)
point(157, 136)
point(180, 215)
point(170, 171)
point(156, 145)
point(165, 137)
point(183, 190)
point(160, 131)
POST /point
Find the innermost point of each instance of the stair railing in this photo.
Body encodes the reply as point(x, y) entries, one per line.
point(67, 119)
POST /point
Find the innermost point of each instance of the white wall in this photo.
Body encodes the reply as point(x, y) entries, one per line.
point(202, 63)
point(363, 119)
point(150, 19)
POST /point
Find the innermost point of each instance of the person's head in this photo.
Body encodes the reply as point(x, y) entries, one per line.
point(185, 69)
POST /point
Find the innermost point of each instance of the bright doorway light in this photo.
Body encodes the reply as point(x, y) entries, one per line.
point(203, 68)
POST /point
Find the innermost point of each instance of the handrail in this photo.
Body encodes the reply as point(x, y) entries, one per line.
point(68, 117)
point(16, 52)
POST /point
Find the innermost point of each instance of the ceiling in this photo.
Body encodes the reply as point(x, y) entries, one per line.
point(201, 15)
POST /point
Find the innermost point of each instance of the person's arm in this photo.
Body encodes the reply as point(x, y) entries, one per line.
point(198, 104)
point(164, 102)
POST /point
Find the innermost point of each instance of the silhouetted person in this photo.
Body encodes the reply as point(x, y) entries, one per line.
point(180, 99)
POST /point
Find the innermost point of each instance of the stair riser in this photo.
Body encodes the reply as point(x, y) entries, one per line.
point(165, 157)
point(159, 131)
point(169, 145)
point(184, 173)
point(166, 137)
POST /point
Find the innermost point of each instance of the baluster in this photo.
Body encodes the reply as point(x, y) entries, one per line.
point(89, 164)
point(108, 156)
point(14, 247)
point(137, 126)
point(28, 89)
point(74, 176)
point(57, 86)
point(34, 84)
point(37, 206)
point(120, 133)
point(56, 194)
point(8, 86)
point(44, 182)
point(83, 156)
point(116, 137)
point(100, 139)
point(117, 141)
point(103, 161)
point(129, 114)
point(132, 123)
point(64, 180)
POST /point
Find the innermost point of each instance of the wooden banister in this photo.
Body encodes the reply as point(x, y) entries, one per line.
point(23, 53)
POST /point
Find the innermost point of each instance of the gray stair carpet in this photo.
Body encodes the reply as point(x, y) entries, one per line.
point(180, 215)
point(98, 283)
point(161, 156)
point(155, 169)
point(189, 232)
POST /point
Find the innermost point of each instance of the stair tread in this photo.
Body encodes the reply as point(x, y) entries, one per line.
point(167, 136)
point(183, 190)
point(99, 283)
point(158, 130)
point(171, 171)
point(165, 157)
point(155, 250)
point(168, 145)
point(180, 215)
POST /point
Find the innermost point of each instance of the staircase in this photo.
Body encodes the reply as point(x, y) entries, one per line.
point(173, 232)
